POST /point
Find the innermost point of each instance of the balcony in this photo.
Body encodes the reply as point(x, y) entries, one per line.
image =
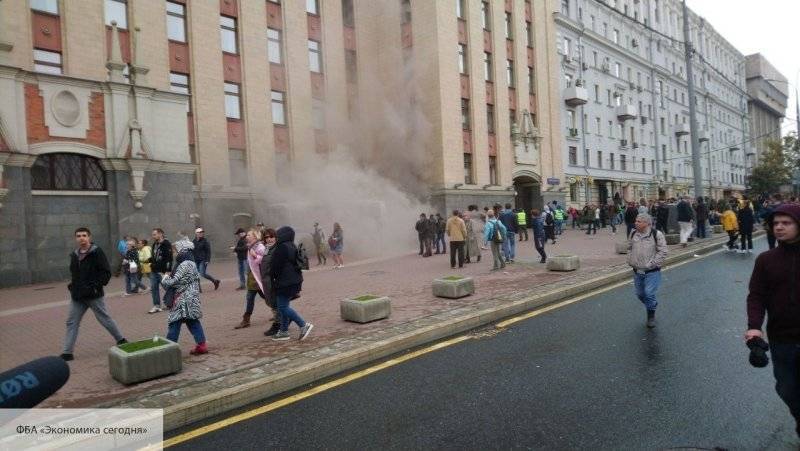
point(625, 112)
point(576, 95)
point(573, 132)
point(682, 129)
point(623, 143)
point(704, 136)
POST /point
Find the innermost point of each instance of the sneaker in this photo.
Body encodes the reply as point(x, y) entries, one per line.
point(725, 248)
point(122, 342)
point(305, 331)
point(282, 335)
point(67, 357)
point(155, 309)
point(202, 348)
point(125, 295)
point(216, 284)
point(272, 330)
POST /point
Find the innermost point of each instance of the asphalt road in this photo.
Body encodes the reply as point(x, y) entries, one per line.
point(585, 376)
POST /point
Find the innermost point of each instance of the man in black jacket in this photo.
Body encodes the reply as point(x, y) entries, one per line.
point(685, 215)
point(287, 279)
point(422, 229)
point(160, 263)
point(241, 256)
point(90, 273)
point(701, 213)
point(202, 255)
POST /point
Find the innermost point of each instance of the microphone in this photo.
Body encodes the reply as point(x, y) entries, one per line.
point(27, 385)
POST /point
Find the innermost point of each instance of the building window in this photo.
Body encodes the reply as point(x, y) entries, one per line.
point(573, 155)
point(348, 17)
point(314, 56)
point(573, 192)
point(597, 93)
point(510, 73)
point(529, 33)
point(617, 68)
point(45, 6)
point(405, 12)
point(597, 125)
point(312, 7)
point(274, 46)
point(468, 169)
point(570, 120)
point(611, 162)
point(465, 114)
point(228, 34)
point(493, 170)
point(351, 66)
point(462, 59)
point(623, 163)
point(117, 11)
point(233, 109)
point(512, 116)
point(318, 115)
point(567, 46)
point(531, 80)
point(47, 62)
point(486, 20)
point(490, 118)
point(180, 83)
point(615, 36)
point(237, 161)
point(176, 22)
point(600, 159)
point(644, 165)
point(509, 26)
point(487, 66)
point(565, 7)
point(460, 9)
point(68, 172)
point(278, 108)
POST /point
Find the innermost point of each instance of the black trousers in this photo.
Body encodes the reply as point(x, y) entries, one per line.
point(732, 235)
point(456, 247)
point(701, 229)
point(539, 242)
point(748, 237)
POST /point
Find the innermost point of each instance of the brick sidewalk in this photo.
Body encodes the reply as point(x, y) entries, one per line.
point(32, 318)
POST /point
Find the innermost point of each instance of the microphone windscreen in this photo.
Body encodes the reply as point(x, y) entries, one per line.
point(27, 385)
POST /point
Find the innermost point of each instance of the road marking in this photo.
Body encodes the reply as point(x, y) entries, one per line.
point(381, 366)
point(310, 392)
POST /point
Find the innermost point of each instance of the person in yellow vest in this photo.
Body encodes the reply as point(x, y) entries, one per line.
point(731, 225)
point(559, 216)
point(145, 253)
point(522, 224)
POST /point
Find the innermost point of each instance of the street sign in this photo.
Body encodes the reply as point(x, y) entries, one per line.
point(553, 181)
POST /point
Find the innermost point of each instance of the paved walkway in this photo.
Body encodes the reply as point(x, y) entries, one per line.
point(32, 317)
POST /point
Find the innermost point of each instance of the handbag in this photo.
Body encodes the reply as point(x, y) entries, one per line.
point(170, 296)
point(133, 267)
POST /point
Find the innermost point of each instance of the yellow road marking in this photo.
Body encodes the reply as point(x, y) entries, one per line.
point(310, 392)
point(381, 366)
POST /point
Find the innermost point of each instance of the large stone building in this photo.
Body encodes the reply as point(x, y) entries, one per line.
point(626, 104)
point(768, 92)
point(124, 115)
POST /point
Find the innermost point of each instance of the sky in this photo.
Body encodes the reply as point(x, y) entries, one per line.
point(769, 27)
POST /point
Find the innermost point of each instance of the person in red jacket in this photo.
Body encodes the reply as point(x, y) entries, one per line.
point(775, 291)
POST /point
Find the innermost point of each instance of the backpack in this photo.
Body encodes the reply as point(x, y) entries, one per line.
point(497, 235)
point(548, 218)
point(653, 235)
point(301, 258)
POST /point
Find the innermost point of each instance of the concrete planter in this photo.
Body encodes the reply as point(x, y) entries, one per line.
point(563, 263)
point(621, 248)
point(673, 238)
point(363, 309)
point(718, 229)
point(136, 365)
point(453, 287)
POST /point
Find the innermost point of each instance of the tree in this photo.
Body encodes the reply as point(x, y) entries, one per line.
point(774, 169)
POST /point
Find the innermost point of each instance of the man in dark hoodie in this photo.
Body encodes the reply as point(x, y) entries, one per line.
point(774, 287)
point(701, 213)
point(90, 273)
point(287, 280)
point(422, 232)
point(160, 263)
point(202, 255)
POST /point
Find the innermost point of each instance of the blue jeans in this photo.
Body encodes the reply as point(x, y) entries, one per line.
point(241, 265)
point(155, 287)
point(785, 367)
point(196, 329)
point(131, 283)
point(288, 314)
point(440, 241)
point(559, 226)
point(646, 286)
point(250, 297)
point(509, 246)
point(201, 268)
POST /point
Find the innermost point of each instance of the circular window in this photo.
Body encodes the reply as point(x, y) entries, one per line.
point(66, 108)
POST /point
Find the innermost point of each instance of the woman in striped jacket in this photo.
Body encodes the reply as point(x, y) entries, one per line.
point(186, 307)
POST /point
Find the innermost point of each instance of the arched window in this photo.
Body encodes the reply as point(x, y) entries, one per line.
point(68, 172)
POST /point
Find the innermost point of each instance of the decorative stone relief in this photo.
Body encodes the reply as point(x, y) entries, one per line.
point(66, 109)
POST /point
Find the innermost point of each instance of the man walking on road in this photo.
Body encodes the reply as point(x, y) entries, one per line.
point(422, 232)
point(509, 220)
point(701, 213)
point(202, 255)
point(90, 273)
point(647, 251)
point(774, 291)
point(685, 214)
point(240, 249)
point(161, 262)
point(457, 232)
point(494, 234)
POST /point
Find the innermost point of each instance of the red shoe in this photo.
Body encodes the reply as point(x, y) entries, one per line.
point(202, 348)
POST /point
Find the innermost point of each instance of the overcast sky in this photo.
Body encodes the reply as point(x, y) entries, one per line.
point(769, 27)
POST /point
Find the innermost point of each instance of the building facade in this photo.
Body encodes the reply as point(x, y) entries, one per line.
point(125, 115)
point(768, 92)
point(625, 118)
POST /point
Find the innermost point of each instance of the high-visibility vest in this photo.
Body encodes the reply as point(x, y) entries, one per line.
point(521, 218)
point(559, 214)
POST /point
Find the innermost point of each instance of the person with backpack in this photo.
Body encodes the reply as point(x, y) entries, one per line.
point(287, 279)
point(647, 252)
point(494, 234)
point(509, 220)
point(549, 221)
point(185, 308)
point(336, 243)
point(539, 237)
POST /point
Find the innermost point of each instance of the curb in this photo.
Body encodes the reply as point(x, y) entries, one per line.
point(218, 402)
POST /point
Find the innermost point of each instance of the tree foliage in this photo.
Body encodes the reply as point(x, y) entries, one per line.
point(775, 166)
